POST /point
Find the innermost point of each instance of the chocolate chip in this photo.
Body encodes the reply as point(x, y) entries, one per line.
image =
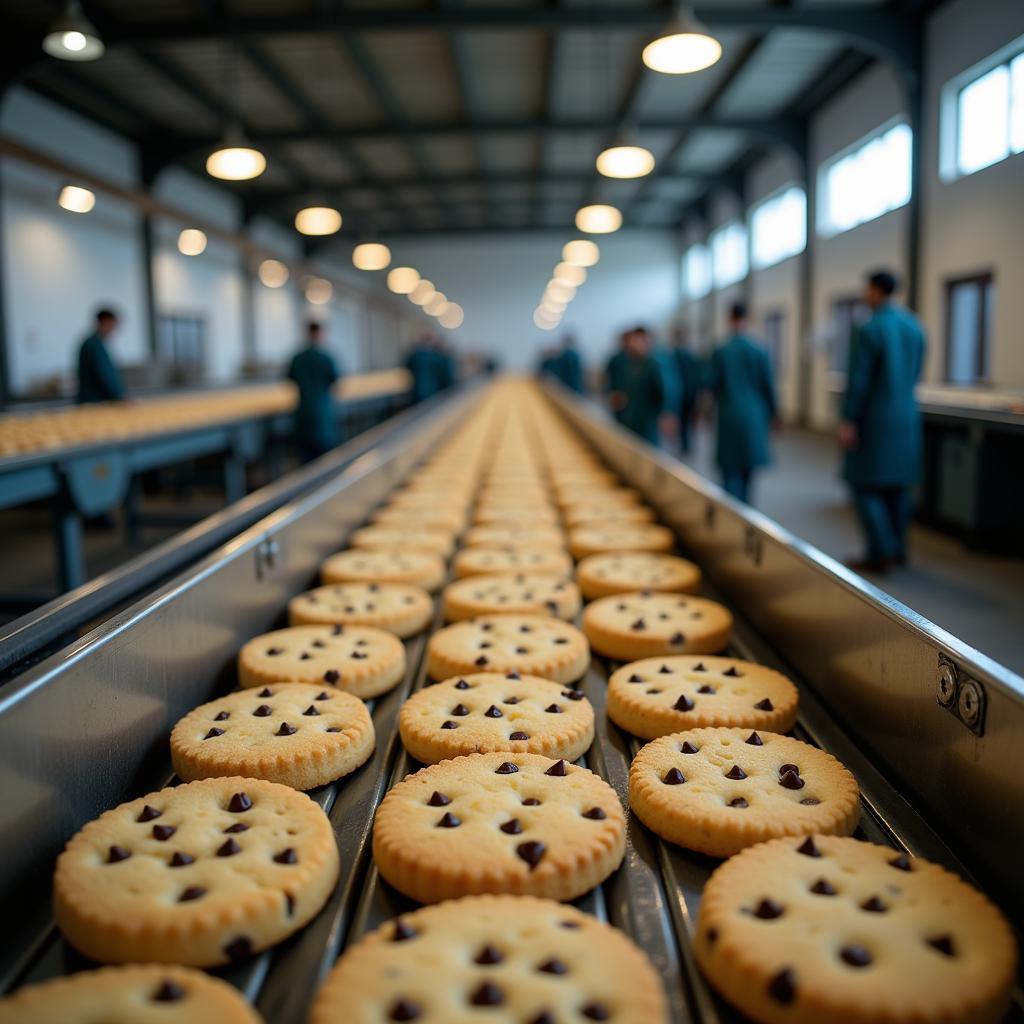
point(706, 689)
point(808, 849)
point(222, 716)
point(460, 711)
point(768, 910)
point(553, 709)
point(311, 710)
point(402, 931)
point(552, 606)
point(638, 625)
point(438, 800)
point(337, 629)
point(553, 966)
point(674, 777)
point(449, 821)
point(163, 832)
point(738, 802)
point(733, 672)
point(754, 740)
point(322, 695)
point(782, 988)
point(558, 769)
point(735, 773)
point(405, 1009)
point(531, 801)
point(319, 643)
point(823, 887)
point(573, 694)
point(764, 705)
point(168, 992)
point(665, 670)
point(595, 814)
point(358, 656)
point(228, 848)
point(286, 856)
point(511, 827)
point(943, 943)
point(333, 728)
point(239, 949)
point(286, 730)
point(653, 689)
point(677, 639)
point(783, 768)
point(506, 768)
point(493, 712)
point(449, 725)
point(513, 675)
point(235, 829)
point(532, 852)
point(634, 678)
point(855, 956)
point(148, 813)
point(486, 626)
point(596, 1011)
point(116, 854)
point(487, 995)
point(542, 1018)
point(683, 704)
point(332, 675)
point(488, 955)
point(901, 863)
point(275, 651)
point(570, 925)
point(522, 650)
point(193, 892)
point(213, 733)
point(810, 801)
point(481, 661)
point(560, 640)
point(873, 905)
point(688, 748)
point(263, 711)
point(699, 667)
point(462, 685)
point(519, 736)
point(181, 860)
point(305, 656)
point(790, 780)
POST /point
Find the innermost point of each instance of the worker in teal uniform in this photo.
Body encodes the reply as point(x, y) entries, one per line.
point(649, 386)
point(615, 378)
point(427, 366)
point(447, 365)
point(547, 367)
point(315, 372)
point(881, 425)
point(691, 374)
point(568, 365)
point(740, 380)
point(98, 378)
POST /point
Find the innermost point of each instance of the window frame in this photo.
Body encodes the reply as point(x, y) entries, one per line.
point(687, 294)
point(780, 191)
point(739, 221)
point(985, 279)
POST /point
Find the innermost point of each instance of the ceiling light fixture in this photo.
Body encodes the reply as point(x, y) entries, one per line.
point(452, 317)
point(437, 304)
point(273, 273)
point(544, 320)
point(319, 291)
point(76, 199)
point(598, 219)
point(402, 280)
point(191, 242)
point(235, 160)
point(318, 220)
point(422, 293)
point(625, 162)
point(72, 36)
point(371, 256)
point(560, 291)
point(685, 46)
point(571, 273)
point(582, 252)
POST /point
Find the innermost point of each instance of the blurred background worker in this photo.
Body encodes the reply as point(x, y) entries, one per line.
point(615, 378)
point(649, 388)
point(429, 367)
point(314, 371)
point(691, 372)
point(569, 366)
point(881, 426)
point(740, 381)
point(99, 380)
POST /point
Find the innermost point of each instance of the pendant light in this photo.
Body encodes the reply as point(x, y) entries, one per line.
point(318, 220)
point(76, 199)
point(371, 256)
point(192, 242)
point(273, 273)
point(437, 304)
point(598, 219)
point(625, 162)
point(582, 252)
point(571, 273)
point(402, 280)
point(318, 291)
point(71, 36)
point(422, 293)
point(685, 46)
point(452, 317)
point(235, 159)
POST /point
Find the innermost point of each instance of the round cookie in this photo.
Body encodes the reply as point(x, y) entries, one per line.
point(595, 513)
point(526, 594)
point(644, 625)
point(401, 538)
point(297, 734)
point(138, 994)
point(593, 538)
point(623, 572)
point(471, 825)
point(200, 874)
point(516, 957)
point(496, 711)
point(826, 929)
point(719, 791)
point(400, 608)
point(517, 513)
point(530, 644)
point(479, 561)
point(420, 568)
point(658, 696)
point(359, 659)
point(421, 519)
point(511, 535)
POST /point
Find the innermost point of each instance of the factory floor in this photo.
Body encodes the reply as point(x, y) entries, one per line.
point(977, 597)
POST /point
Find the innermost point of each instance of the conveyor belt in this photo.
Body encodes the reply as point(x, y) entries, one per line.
point(654, 897)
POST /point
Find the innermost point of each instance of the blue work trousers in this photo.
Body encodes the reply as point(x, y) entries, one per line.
point(884, 514)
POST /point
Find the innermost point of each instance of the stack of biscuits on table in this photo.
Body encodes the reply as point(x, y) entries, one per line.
point(519, 523)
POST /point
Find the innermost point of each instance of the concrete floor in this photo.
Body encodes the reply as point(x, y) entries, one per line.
point(977, 597)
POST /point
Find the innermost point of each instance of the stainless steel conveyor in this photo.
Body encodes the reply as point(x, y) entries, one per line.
point(928, 725)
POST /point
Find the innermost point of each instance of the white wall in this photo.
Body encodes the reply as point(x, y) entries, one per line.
point(499, 280)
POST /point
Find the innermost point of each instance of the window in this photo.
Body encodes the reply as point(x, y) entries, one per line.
point(181, 346)
point(775, 337)
point(868, 180)
point(696, 272)
point(729, 254)
point(847, 313)
point(778, 227)
point(989, 116)
point(970, 302)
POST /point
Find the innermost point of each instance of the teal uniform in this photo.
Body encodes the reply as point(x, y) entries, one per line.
point(548, 367)
point(740, 377)
point(651, 389)
point(886, 358)
point(569, 369)
point(316, 424)
point(98, 378)
point(691, 372)
point(615, 378)
point(429, 371)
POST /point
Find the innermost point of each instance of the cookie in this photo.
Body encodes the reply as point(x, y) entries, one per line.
point(420, 568)
point(612, 497)
point(359, 659)
point(420, 519)
point(525, 594)
point(200, 874)
point(474, 561)
point(473, 825)
point(512, 535)
point(501, 958)
point(825, 930)
point(400, 608)
point(719, 791)
point(517, 512)
point(530, 644)
point(400, 538)
point(658, 696)
point(297, 734)
point(644, 625)
point(139, 994)
point(593, 538)
point(496, 711)
point(596, 513)
point(621, 572)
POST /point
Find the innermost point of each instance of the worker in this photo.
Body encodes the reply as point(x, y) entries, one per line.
point(448, 366)
point(426, 364)
point(691, 373)
point(650, 393)
point(547, 366)
point(315, 372)
point(614, 378)
point(98, 378)
point(740, 381)
point(569, 366)
point(881, 425)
